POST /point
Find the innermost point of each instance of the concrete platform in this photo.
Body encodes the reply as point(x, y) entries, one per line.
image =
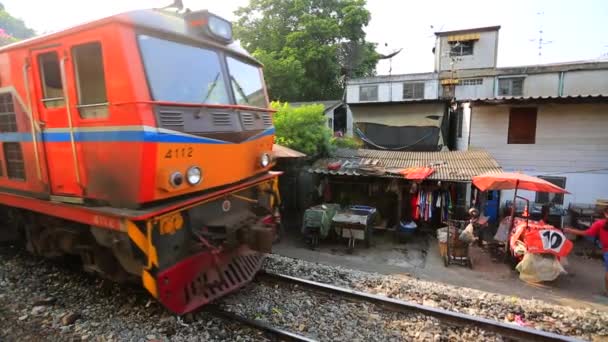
point(582, 287)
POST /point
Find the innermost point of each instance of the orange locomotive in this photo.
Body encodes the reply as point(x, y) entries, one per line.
point(143, 143)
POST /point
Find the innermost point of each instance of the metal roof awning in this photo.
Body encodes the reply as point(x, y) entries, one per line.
point(457, 166)
point(540, 99)
point(463, 37)
point(281, 151)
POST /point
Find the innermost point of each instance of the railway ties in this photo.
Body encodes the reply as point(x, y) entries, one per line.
point(505, 330)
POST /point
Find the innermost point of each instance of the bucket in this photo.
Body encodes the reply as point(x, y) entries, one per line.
point(407, 228)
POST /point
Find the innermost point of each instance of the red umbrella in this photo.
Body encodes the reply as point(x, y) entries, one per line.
point(514, 181)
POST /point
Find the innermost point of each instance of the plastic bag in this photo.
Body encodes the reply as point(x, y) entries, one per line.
point(442, 234)
point(502, 234)
point(520, 248)
point(535, 268)
point(467, 234)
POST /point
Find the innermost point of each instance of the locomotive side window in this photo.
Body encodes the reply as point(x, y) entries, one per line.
point(50, 74)
point(8, 121)
point(15, 167)
point(90, 81)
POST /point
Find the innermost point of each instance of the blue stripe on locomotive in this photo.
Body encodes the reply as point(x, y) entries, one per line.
point(121, 136)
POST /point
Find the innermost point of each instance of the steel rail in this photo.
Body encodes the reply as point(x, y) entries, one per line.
point(503, 329)
point(278, 333)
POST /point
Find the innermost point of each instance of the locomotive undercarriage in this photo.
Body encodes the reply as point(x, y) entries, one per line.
point(101, 251)
point(213, 248)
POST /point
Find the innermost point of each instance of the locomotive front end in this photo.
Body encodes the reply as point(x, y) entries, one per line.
point(202, 251)
point(213, 145)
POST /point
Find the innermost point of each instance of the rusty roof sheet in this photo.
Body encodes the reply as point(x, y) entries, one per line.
point(449, 166)
point(281, 151)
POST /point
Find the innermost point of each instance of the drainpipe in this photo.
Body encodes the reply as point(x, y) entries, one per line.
point(560, 86)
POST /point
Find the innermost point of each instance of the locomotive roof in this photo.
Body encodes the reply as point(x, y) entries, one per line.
point(152, 19)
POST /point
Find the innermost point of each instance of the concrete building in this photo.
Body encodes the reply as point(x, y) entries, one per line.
point(545, 120)
point(401, 112)
point(339, 118)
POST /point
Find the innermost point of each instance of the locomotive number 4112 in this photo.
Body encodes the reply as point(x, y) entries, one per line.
point(183, 152)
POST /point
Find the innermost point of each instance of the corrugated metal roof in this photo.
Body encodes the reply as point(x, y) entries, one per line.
point(327, 105)
point(281, 151)
point(502, 99)
point(449, 166)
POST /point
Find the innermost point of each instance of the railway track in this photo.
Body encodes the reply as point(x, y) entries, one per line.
point(505, 330)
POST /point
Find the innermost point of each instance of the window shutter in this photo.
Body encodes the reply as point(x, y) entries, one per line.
point(522, 126)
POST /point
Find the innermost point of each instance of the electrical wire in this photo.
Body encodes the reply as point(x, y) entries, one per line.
point(570, 172)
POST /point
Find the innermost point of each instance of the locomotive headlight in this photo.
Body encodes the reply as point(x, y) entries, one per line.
point(194, 175)
point(265, 160)
point(176, 179)
point(220, 28)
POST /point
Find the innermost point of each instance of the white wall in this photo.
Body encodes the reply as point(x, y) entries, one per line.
point(349, 122)
point(484, 53)
point(584, 188)
point(352, 93)
point(462, 143)
point(570, 139)
point(541, 85)
point(330, 115)
point(587, 82)
point(393, 91)
point(481, 91)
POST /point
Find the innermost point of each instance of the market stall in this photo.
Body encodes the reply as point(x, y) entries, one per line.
point(535, 246)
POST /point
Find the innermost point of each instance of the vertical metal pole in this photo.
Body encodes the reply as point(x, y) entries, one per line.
point(512, 223)
point(33, 126)
point(71, 126)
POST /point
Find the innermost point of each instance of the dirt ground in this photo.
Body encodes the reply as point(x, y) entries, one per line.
point(419, 257)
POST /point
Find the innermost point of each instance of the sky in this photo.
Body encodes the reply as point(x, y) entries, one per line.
point(573, 30)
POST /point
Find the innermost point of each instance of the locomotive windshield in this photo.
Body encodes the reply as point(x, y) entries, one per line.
point(184, 73)
point(246, 83)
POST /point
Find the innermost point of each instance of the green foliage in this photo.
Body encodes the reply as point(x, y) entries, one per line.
point(307, 46)
point(14, 27)
point(346, 142)
point(303, 128)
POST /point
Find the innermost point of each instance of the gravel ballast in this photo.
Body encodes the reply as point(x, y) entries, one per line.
point(82, 307)
point(586, 324)
point(47, 300)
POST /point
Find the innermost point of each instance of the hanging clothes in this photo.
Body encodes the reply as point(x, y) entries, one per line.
point(429, 204)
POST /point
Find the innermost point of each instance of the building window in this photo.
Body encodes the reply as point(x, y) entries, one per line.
point(50, 77)
point(413, 90)
point(15, 168)
point(8, 120)
point(545, 197)
point(522, 125)
point(90, 81)
point(330, 123)
point(464, 48)
point(471, 81)
point(368, 93)
point(511, 86)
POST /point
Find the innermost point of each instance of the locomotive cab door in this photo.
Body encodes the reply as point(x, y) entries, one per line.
point(52, 70)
